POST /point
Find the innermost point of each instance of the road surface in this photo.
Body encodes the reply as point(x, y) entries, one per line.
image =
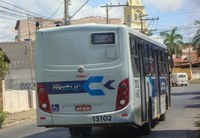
point(179, 124)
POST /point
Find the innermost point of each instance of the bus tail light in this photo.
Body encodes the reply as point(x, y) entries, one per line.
point(43, 99)
point(122, 94)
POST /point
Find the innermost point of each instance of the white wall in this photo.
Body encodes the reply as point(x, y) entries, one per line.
point(196, 76)
point(18, 100)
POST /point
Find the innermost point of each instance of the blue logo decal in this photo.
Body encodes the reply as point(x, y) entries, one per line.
point(83, 86)
point(95, 92)
point(67, 87)
point(108, 85)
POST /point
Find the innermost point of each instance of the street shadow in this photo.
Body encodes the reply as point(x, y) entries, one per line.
point(119, 132)
point(185, 93)
point(196, 98)
point(193, 106)
point(60, 132)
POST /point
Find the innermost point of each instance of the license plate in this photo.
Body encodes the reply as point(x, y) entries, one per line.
point(80, 108)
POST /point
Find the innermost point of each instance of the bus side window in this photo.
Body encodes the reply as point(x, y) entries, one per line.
point(152, 60)
point(134, 56)
point(147, 59)
point(162, 63)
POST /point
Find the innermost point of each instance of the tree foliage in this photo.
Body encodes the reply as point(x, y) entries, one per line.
point(3, 65)
point(3, 70)
point(196, 38)
point(173, 40)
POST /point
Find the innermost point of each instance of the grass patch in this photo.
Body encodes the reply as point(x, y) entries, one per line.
point(197, 124)
point(2, 118)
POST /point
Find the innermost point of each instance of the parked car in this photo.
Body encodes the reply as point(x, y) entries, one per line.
point(179, 79)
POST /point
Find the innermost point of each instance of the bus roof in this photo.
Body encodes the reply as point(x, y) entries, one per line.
point(94, 25)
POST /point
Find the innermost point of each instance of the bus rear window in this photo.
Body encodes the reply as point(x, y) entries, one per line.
point(64, 49)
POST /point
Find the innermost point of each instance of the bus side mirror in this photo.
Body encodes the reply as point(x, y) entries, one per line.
point(171, 63)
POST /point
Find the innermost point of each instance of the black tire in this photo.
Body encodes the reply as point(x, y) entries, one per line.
point(162, 117)
point(146, 128)
point(86, 131)
point(74, 131)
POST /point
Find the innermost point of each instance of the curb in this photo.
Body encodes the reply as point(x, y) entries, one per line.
point(194, 81)
point(14, 123)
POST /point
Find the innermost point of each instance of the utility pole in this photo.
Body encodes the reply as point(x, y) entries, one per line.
point(29, 32)
point(190, 57)
point(141, 21)
point(66, 12)
point(146, 19)
point(31, 54)
point(110, 6)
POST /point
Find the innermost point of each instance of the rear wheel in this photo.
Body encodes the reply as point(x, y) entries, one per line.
point(74, 131)
point(86, 131)
point(162, 117)
point(146, 128)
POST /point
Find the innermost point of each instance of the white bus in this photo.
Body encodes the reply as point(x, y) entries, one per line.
point(100, 75)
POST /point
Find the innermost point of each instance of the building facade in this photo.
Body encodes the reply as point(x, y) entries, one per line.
point(133, 15)
point(26, 28)
point(21, 68)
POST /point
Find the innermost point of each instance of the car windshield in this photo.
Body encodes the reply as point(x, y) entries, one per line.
point(182, 76)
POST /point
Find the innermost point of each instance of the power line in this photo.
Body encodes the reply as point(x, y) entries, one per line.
point(12, 10)
point(56, 10)
point(28, 13)
point(180, 11)
point(79, 9)
point(110, 6)
point(22, 9)
point(11, 14)
point(3, 17)
point(179, 29)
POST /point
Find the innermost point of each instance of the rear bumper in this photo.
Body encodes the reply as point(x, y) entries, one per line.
point(179, 83)
point(131, 124)
point(115, 118)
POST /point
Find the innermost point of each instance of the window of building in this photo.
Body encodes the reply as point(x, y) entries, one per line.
point(129, 18)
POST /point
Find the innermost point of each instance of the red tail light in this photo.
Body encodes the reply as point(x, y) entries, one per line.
point(43, 99)
point(122, 94)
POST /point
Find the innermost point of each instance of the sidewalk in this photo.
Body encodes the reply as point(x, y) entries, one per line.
point(19, 117)
point(194, 81)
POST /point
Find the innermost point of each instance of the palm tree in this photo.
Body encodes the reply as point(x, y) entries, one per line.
point(196, 38)
point(173, 40)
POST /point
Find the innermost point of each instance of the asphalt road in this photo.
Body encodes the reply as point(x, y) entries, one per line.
point(179, 124)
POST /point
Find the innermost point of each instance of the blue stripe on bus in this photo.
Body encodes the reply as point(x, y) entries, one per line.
point(72, 87)
point(153, 86)
point(67, 87)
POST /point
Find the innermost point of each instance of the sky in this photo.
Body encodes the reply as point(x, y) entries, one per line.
point(171, 13)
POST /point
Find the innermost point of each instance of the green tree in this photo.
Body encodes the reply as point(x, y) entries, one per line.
point(3, 70)
point(173, 40)
point(196, 38)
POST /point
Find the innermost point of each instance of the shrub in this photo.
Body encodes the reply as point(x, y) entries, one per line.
point(197, 123)
point(2, 117)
